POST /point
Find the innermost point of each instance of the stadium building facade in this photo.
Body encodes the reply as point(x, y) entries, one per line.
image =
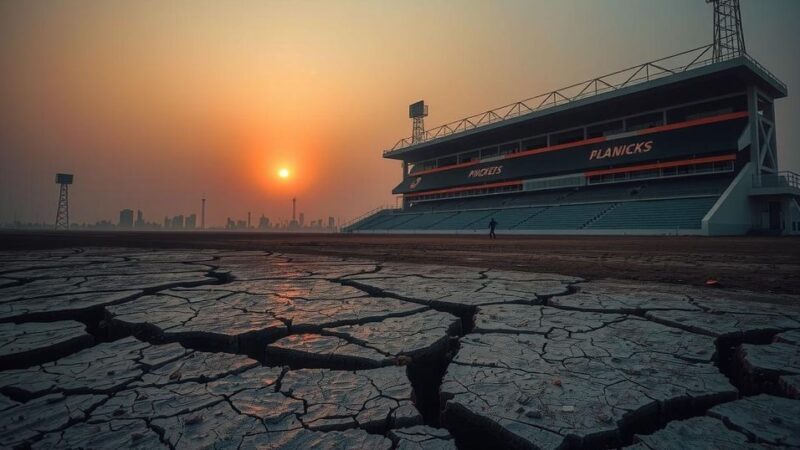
point(681, 145)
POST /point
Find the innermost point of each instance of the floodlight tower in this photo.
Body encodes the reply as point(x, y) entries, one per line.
point(417, 112)
point(62, 214)
point(728, 34)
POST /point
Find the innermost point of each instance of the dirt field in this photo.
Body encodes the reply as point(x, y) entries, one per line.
point(763, 264)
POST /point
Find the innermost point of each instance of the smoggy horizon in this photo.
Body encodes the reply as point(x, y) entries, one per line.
point(152, 105)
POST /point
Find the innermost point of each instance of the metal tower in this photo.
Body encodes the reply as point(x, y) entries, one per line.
point(728, 34)
point(62, 214)
point(203, 212)
point(417, 112)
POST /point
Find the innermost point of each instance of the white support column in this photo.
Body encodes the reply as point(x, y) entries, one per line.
point(755, 144)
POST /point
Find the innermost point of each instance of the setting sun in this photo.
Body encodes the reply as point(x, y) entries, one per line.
point(283, 173)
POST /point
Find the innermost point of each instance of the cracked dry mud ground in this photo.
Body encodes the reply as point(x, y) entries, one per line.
point(123, 348)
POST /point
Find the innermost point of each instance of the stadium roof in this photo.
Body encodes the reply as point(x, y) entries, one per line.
point(683, 68)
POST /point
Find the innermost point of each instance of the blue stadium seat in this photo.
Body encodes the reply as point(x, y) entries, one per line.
point(564, 217)
point(677, 203)
point(679, 214)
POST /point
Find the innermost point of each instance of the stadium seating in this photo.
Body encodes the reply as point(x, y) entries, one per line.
point(669, 204)
point(423, 221)
point(466, 220)
point(604, 193)
point(679, 214)
point(566, 217)
point(395, 220)
point(372, 221)
point(509, 218)
point(685, 187)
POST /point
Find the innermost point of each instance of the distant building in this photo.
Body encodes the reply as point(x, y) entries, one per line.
point(263, 223)
point(331, 223)
point(139, 219)
point(191, 222)
point(167, 223)
point(126, 218)
point(177, 222)
point(302, 219)
point(241, 225)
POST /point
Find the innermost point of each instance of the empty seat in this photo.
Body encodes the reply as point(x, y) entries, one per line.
point(640, 204)
point(564, 217)
point(423, 221)
point(680, 213)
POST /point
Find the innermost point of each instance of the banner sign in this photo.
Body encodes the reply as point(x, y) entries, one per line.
point(634, 148)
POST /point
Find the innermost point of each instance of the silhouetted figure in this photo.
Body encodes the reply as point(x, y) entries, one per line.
point(492, 226)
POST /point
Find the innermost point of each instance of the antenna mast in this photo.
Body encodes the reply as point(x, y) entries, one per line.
point(728, 34)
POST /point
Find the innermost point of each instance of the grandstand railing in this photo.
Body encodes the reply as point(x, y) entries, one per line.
point(780, 179)
point(351, 222)
point(671, 65)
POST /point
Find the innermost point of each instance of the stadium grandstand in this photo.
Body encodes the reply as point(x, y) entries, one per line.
point(680, 145)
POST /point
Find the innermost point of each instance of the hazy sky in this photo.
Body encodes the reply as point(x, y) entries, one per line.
point(153, 103)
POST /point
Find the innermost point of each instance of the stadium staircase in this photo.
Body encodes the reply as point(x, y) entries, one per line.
point(599, 216)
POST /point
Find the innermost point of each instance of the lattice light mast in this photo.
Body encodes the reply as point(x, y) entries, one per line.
point(417, 112)
point(62, 213)
point(728, 34)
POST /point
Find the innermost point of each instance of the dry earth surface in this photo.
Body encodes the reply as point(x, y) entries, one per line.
point(109, 347)
point(761, 264)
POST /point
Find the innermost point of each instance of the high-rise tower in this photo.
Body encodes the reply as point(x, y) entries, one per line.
point(62, 213)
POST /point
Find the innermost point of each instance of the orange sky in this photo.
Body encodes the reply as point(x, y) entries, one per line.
point(153, 103)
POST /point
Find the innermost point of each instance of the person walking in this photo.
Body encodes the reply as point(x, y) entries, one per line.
point(492, 226)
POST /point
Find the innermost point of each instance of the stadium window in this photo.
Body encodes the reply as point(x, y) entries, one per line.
point(423, 165)
point(724, 166)
point(604, 129)
point(643, 121)
point(534, 143)
point(565, 137)
point(488, 152)
point(447, 161)
point(418, 167)
point(469, 156)
point(703, 168)
point(644, 174)
point(512, 147)
point(668, 172)
point(707, 109)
